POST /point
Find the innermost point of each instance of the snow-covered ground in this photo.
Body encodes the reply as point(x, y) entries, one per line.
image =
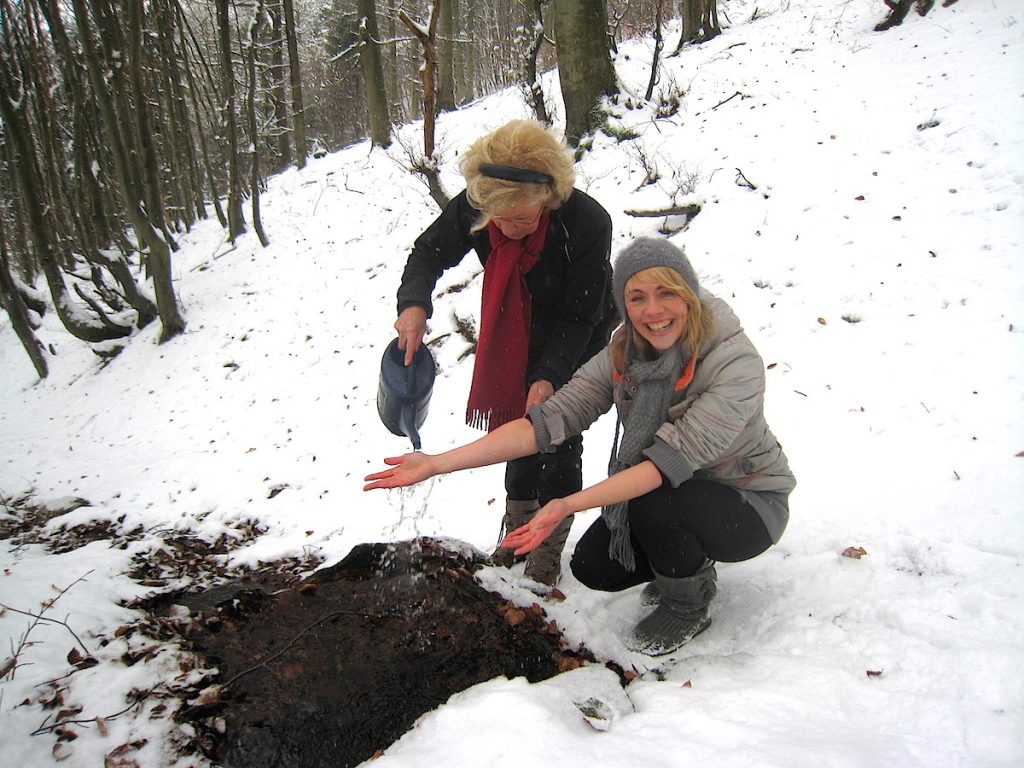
point(877, 265)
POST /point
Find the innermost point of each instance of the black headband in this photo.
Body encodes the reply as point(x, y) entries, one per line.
point(511, 173)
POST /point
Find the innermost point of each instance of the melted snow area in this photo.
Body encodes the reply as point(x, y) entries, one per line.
point(862, 203)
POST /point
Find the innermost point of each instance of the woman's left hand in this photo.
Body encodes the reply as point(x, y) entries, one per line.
point(405, 470)
point(529, 536)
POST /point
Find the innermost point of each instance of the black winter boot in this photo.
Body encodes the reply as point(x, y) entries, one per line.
point(681, 615)
point(517, 514)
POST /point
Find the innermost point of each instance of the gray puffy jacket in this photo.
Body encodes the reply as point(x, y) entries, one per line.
point(715, 428)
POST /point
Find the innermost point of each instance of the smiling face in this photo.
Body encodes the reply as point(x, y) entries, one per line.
point(518, 220)
point(658, 313)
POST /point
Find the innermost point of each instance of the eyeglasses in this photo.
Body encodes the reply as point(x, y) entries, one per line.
point(519, 221)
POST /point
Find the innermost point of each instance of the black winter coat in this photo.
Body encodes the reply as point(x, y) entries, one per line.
point(574, 312)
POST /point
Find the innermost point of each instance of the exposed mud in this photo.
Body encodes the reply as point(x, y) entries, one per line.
point(333, 669)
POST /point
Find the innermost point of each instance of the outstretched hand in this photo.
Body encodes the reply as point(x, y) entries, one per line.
point(405, 470)
point(530, 536)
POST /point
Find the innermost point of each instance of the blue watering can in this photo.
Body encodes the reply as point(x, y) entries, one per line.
point(404, 391)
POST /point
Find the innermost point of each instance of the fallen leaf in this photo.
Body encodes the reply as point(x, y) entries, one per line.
point(515, 616)
point(569, 662)
point(855, 553)
point(874, 673)
point(209, 695)
point(61, 751)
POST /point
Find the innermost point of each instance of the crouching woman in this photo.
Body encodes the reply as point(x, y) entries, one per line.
point(696, 476)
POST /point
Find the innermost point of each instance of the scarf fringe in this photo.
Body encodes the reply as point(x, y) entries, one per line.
point(620, 548)
point(490, 419)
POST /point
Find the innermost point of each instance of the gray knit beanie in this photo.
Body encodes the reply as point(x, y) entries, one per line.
point(644, 253)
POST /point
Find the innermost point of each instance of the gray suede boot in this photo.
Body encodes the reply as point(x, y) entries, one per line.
point(544, 564)
point(517, 514)
point(651, 595)
point(681, 615)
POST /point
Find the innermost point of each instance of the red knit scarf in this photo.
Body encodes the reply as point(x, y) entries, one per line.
point(498, 392)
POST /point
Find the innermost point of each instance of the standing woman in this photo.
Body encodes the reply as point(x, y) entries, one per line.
point(695, 475)
point(547, 306)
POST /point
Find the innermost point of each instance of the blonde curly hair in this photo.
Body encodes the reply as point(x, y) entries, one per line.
point(525, 144)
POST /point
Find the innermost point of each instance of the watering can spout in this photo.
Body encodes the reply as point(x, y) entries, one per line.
point(403, 395)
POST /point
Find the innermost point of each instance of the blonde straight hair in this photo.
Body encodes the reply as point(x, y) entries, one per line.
point(699, 322)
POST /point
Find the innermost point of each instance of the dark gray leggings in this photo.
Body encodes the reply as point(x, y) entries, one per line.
point(673, 530)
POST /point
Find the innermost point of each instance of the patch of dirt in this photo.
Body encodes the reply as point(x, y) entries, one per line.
point(282, 668)
point(28, 522)
point(331, 670)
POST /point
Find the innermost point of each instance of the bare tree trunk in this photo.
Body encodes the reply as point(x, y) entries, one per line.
point(659, 44)
point(22, 148)
point(372, 67)
point(277, 89)
point(428, 40)
point(159, 251)
point(196, 97)
point(584, 63)
point(236, 221)
point(898, 10)
point(12, 302)
point(95, 220)
point(469, 58)
point(446, 57)
point(709, 20)
point(535, 40)
point(250, 110)
point(182, 144)
point(392, 72)
point(298, 108)
point(700, 22)
point(23, 158)
point(150, 180)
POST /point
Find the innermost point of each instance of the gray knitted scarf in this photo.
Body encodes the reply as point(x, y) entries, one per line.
point(644, 394)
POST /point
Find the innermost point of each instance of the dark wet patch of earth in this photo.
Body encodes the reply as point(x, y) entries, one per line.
point(333, 669)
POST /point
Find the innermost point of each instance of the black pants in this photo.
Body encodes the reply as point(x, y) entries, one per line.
point(546, 476)
point(672, 531)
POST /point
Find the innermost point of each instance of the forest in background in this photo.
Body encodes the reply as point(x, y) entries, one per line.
point(124, 122)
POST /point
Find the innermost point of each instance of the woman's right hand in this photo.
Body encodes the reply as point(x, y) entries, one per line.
point(405, 470)
point(411, 326)
point(530, 536)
